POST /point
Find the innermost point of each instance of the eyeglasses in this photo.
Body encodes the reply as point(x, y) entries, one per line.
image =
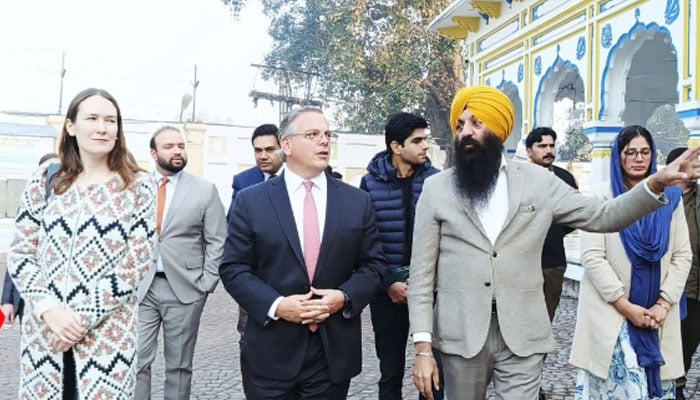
point(315, 136)
point(645, 153)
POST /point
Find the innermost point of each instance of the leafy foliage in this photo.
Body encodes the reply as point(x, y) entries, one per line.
point(667, 130)
point(577, 146)
point(236, 6)
point(373, 58)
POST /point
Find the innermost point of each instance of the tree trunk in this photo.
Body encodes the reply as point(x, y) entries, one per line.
point(442, 86)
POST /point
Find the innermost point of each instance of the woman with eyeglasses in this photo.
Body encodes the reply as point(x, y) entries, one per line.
point(627, 342)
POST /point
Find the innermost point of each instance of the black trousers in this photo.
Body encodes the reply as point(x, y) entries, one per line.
point(245, 375)
point(70, 382)
point(690, 336)
point(312, 383)
point(390, 323)
point(553, 282)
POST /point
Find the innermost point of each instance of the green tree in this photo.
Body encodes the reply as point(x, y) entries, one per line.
point(668, 131)
point(373, 58)
point(577, 146)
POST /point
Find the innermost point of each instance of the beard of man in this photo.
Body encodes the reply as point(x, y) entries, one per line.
point(476, 169)
point(168, 165)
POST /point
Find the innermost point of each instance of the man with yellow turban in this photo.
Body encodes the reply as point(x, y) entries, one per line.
point(475, 291)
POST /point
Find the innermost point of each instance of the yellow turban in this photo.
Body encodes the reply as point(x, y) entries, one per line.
point(489, 105)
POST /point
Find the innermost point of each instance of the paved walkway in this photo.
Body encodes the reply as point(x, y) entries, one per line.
point(217, 377)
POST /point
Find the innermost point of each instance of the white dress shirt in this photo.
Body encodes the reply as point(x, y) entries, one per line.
point(169, 191)
point(267, 175)
point(297, 193)
point(493, 213)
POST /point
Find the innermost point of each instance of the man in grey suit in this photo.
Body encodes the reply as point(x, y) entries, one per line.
point(475, 290)
point(192, 228)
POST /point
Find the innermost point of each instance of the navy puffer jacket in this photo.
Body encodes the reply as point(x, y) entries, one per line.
point(387, 198)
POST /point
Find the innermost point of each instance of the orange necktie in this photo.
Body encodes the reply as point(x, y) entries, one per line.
point(161, 203)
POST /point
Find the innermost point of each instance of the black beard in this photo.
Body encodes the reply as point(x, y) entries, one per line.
point(476, 169)
point(168, 166)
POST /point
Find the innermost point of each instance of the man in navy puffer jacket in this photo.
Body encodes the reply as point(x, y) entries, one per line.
point(394, 182)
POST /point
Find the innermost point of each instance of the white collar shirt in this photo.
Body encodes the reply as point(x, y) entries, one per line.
point(297, 193)
point(494, 211)
point(268, 175)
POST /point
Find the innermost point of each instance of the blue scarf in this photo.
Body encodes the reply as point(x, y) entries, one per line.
point(645, 242)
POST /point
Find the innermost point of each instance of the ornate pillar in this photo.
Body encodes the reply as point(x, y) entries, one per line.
point(194, 139)
point(689, 113)
point(601, 135)
point(56, 122)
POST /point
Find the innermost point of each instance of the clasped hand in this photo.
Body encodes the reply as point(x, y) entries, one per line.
point(66, 329)
point(398, 292)
point(650, 318)
point(313, 307)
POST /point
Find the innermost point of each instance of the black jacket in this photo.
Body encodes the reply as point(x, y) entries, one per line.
point(553, 252)
point(10, 295)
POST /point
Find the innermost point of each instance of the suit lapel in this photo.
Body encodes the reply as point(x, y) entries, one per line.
point(181, 189)
point(334, 206)
point(516, 185)
point(283, 208)
point(470, 210)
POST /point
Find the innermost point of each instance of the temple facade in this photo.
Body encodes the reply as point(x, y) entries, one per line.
point(613, 61)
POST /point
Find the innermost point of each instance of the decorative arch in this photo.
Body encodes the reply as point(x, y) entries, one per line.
point(511, 90)
point(617, 67)
point(560, 72)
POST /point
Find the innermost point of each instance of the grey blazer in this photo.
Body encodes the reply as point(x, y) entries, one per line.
point(453, 256)
point(191, 240)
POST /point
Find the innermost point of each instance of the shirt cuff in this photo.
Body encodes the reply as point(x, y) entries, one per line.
point(272, 312)
point(661, 196)
point(422, 337)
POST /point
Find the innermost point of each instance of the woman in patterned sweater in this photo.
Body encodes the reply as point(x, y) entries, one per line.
point(77, 257)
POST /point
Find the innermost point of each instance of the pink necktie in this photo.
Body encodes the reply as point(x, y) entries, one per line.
point(312, 240)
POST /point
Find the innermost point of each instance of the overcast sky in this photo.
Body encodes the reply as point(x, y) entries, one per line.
point(142, 51)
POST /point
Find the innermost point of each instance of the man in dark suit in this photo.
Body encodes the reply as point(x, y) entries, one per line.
point(690, 325)
point(303, 257)
point(541, 149)
point(267, 161)
point(268, 164)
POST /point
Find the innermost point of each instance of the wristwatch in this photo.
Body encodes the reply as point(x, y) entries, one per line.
point(347, 306)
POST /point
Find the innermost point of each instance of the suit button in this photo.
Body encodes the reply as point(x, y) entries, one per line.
point(487, 284)
point(305, 289)
point(494, 254)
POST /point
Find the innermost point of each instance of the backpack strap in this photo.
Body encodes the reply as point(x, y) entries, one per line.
point(50, 175)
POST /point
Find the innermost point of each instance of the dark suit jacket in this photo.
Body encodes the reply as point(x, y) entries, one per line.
point(553, 254)
point(251, 176)
point(10, 295)
point(263, 260)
